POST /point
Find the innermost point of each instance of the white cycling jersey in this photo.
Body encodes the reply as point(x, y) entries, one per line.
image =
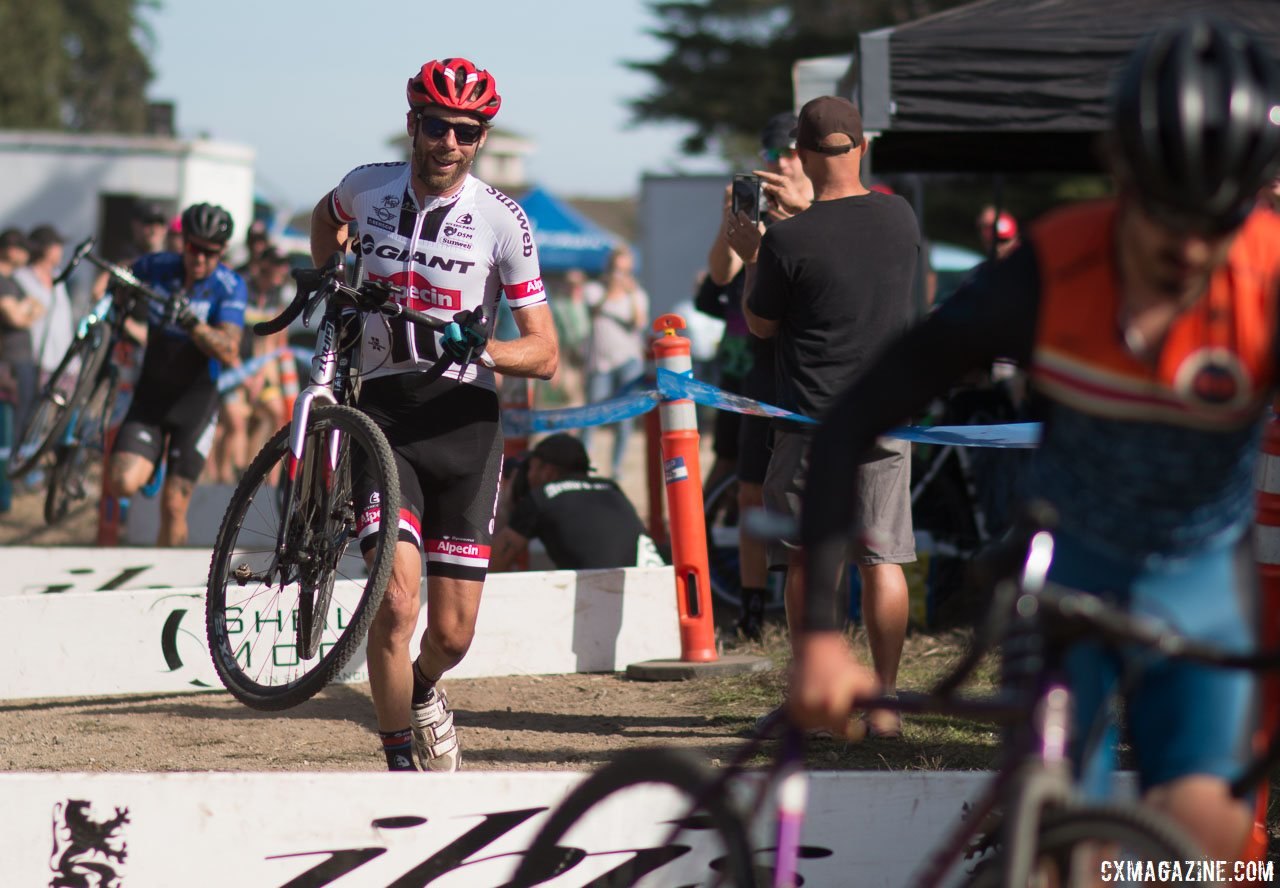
point(455, 253)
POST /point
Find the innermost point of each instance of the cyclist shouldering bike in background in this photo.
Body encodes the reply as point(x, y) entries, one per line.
point(455, 245)
point(1148, 324)
point(188, 342)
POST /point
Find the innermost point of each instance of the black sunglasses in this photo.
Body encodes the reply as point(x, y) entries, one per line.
point(202, 250)
point(437, 128)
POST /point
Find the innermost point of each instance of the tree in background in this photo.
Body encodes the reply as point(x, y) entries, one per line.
point(75, 65)
point(728, 65)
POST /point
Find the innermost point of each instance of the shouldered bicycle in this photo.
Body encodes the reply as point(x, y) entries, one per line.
point(287, 604)
point(78, 404)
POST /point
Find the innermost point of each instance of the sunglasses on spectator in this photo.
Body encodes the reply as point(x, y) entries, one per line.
point(201, 250)
point(465, 133)
point(773, 155)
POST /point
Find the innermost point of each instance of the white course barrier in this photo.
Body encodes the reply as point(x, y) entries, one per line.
point(444, 830)
point(153, 641)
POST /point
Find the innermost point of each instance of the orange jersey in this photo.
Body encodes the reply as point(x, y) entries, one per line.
point(1216, 367)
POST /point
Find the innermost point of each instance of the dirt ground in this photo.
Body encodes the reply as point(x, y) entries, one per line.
point(565, 722)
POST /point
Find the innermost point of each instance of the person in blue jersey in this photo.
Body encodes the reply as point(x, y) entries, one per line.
point(188, 342)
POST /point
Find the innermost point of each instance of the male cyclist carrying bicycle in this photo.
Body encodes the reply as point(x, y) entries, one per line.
point(455, 245)
point(188, 342)
point(1148, 323)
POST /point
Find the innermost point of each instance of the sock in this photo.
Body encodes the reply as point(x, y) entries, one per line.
point(397, 746)
point(422, 686)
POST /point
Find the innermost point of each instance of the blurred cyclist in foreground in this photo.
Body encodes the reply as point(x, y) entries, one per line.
point(1148, 325)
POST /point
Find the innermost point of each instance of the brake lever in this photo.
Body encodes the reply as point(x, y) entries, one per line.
point(318, 297)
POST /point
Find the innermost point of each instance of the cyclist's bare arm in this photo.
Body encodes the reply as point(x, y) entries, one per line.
point(536, 353)
point(328, 235)
point(221, 341)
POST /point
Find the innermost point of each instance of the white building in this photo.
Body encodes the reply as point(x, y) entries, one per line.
point(86, 184)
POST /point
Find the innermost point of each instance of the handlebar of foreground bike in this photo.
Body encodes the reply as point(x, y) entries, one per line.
point(317, 284)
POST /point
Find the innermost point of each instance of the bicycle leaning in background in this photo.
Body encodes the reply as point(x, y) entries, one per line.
point(287, 604)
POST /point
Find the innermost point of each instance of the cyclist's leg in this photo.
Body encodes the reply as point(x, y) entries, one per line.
point(458, 529)
point(1192, 725)
point(137, 450)
point(391, 631)
point(193, 422)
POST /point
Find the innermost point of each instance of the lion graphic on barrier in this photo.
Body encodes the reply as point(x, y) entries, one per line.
point(84, 848)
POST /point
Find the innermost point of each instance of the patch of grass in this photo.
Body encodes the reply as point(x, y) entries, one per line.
point(933, 742)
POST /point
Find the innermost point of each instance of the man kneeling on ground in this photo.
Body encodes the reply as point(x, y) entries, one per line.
point(583, 522)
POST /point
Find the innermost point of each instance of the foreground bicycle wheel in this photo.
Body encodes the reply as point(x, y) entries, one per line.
point(1083, 846)
point(82, 444)
point(49, 419)
point(289, 596)
point(625, 786)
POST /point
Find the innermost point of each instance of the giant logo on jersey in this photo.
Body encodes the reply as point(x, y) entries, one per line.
point(389, 251)
point(420, 293)
point(1214, 377)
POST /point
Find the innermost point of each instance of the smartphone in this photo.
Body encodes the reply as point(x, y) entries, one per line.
point(748, 196)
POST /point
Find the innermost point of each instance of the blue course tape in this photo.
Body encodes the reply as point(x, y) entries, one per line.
point(520, 423)
point(234, 376)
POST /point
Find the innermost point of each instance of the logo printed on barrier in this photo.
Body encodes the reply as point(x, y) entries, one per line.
point(87, 850)
point(470, 849)
point(675, 470)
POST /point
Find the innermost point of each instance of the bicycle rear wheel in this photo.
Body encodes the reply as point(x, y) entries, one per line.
point(618, 787)
point(83, 442)
point(288, 604)
point(1074, 846)
point(48, 420)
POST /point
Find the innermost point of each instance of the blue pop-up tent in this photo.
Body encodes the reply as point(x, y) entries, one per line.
point(566, 239)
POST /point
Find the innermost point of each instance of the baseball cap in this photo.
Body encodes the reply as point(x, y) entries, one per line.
point(565, 451)
point(13, 237)
point(779, 133)
point(824, 120)
point(150, 213)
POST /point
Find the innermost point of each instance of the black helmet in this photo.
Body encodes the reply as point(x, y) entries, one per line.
point(206, 222)
point(1196, 123)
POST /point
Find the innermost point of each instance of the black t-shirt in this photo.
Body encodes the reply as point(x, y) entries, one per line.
point(838, 278)
point(583, 522)
point(15, 344)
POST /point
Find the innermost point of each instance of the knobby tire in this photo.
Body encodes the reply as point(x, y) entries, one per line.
point(1134, 830)
point(238, 543)
point(546, 858)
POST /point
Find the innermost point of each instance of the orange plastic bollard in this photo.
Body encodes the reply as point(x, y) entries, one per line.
point(288, 382)
point(683, 476)
point(1268, 552)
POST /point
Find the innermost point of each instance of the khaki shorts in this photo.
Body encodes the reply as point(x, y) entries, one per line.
point(882, 532)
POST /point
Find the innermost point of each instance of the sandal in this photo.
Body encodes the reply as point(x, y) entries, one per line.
point(874, 733)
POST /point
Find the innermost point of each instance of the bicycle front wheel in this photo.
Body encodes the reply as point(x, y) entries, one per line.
point(289, 597)
point(84, 442)
point(711, 825)
point(1114, 843)
point(52, 412)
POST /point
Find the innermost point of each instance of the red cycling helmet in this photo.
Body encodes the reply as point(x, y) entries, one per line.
point(456, 84)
